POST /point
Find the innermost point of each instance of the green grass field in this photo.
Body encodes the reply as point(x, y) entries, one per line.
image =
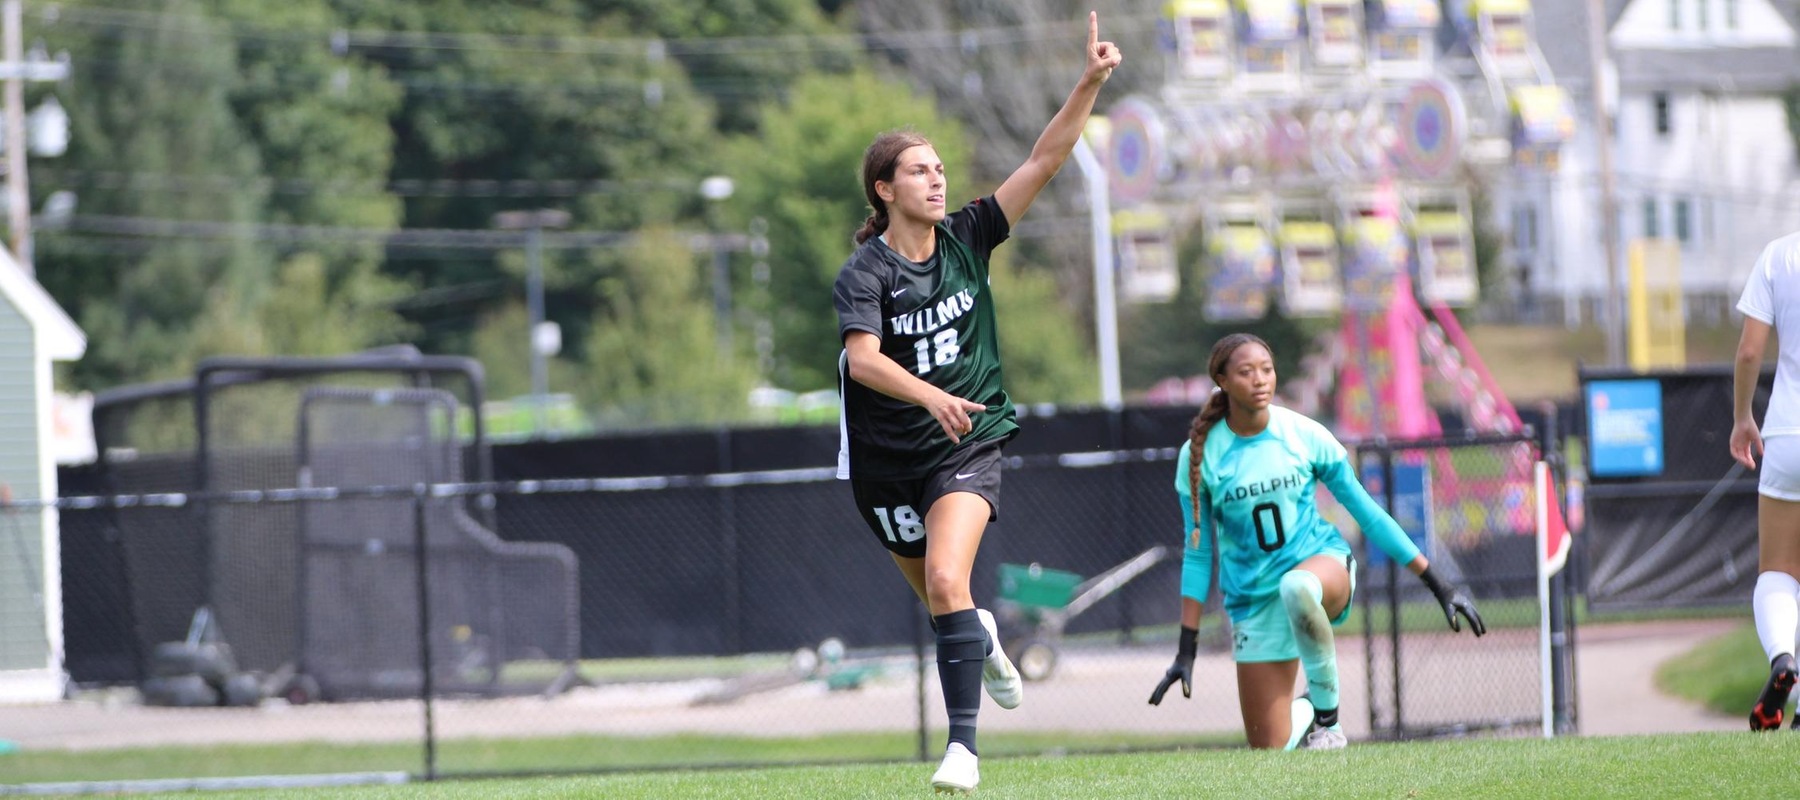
point(1693, 765)
point(1724, 674)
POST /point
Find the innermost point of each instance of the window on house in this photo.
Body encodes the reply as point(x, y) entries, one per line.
point(1675, 15)
point(1731, 14)
point(1651, 229)
point(1701, 17)
point(1684, 229)
point(1525, 235)
point(1660, 104)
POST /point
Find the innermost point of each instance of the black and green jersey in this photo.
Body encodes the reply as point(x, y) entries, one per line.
point(936, 319)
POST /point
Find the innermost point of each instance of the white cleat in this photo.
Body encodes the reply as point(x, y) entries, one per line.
point(959, 773)
point(998, 675)
point(1331, 738)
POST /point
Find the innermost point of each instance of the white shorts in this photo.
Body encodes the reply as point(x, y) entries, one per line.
point(1780, 468)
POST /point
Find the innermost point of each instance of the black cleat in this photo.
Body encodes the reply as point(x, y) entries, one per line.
point(1766, 714)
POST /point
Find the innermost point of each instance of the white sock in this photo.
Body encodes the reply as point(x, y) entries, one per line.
point(1776, 606)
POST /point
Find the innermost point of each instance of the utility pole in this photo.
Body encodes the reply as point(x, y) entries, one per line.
point(1609, 201)
point(542, 341)
point(15, 70)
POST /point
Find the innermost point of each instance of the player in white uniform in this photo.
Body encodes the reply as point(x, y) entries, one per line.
point(1771, 301)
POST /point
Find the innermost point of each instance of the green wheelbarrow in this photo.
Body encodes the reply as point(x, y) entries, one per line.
point(1037, 602)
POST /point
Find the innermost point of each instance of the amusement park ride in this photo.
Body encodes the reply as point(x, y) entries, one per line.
point(1326, 149)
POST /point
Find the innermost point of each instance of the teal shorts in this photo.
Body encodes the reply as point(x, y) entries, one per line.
point(1264, 634)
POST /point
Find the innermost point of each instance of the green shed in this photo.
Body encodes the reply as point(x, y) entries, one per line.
point(34, 334)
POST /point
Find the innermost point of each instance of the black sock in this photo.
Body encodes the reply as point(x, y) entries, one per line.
point(961, 641)
point(1324, 717)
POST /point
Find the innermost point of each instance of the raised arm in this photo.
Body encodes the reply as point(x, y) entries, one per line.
point(1059, 137)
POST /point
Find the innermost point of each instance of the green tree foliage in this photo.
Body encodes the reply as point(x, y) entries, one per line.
point(185, 140)
point(153, 100)
point(653, 355)
point(523, 114)
point(741, 53)
point(1047, 351)
point(503, 346)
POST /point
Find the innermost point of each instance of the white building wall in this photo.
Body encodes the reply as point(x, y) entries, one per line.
point(1729, 158)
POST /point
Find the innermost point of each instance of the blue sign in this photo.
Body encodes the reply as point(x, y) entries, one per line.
point(1412, 504)
point(1625, 428)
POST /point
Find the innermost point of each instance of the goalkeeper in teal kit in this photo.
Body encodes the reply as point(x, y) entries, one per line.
point(1287, 575)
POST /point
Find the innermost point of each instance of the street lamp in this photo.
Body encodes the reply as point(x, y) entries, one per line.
point(546, 337)
point(717, 189)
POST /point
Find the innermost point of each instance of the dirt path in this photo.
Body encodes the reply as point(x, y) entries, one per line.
point(1615, 675)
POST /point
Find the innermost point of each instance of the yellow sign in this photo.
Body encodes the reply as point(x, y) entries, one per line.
point(1657, 333)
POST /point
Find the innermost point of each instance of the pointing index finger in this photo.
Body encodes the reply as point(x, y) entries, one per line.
point(1093, 28)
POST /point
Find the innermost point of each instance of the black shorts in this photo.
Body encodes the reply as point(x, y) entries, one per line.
point(895, 510)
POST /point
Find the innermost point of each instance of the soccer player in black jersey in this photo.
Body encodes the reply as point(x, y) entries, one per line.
point(924, 415)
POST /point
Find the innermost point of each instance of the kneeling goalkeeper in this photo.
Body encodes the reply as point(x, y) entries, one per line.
point(1286, 573)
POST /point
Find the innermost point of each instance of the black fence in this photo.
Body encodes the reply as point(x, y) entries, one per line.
point(324, 556)
point(1679, 530)
point(723, 618)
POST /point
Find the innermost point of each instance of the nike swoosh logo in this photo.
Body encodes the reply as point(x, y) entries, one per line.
point(898, 292)
point(962, 477)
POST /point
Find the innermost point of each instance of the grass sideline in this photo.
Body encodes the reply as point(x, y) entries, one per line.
point(1725, 673)
point(540, 755)
point(1668, 766)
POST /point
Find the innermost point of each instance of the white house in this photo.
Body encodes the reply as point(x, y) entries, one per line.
point(34, 333)
point(1702, 150)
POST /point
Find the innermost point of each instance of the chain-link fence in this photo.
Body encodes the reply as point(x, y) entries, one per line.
point(692, 619)
point(1471, 505)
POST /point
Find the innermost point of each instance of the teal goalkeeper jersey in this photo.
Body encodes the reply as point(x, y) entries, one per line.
point(1259, 493)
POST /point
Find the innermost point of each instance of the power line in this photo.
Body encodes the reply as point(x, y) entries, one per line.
point(202, 183)
point(416, 238)
point(787, 45)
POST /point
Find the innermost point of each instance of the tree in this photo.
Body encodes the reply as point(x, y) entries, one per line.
point(153, 100)
point(652, 356)
point(503, 346)
point(1047, 352)
point(552, 104)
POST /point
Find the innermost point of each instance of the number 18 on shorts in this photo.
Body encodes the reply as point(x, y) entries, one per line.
point(895, 510)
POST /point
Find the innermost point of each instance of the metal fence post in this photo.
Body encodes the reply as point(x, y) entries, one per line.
point(426, 688)
point(1393, 583)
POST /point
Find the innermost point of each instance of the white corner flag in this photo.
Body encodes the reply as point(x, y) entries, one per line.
point(1552, 555)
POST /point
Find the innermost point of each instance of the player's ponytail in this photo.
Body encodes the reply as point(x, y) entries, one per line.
point(1215, 409)
point(874, 225)
point(878, 165)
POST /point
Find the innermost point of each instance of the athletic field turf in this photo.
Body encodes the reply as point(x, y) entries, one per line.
point(1672, 766)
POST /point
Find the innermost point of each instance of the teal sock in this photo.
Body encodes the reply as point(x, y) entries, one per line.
point(1303, 597)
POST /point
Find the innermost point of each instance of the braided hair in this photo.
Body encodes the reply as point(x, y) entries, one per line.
point(1214, 410)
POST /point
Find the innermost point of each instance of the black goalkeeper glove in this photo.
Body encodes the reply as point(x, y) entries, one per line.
point(1454, 601)
point(1183, 668)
